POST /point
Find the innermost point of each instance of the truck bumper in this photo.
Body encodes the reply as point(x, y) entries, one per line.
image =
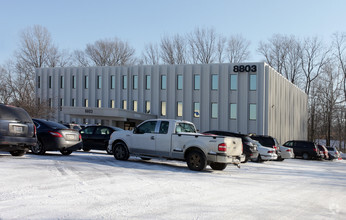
point(226, 159)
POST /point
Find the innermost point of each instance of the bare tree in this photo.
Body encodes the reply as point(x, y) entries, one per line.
point(151, 54)
point(221, 48)
point(107, 53)
point(292, 64)
point(6, 95)
point(173, 50)
point(339, 43)
point(203, 45)
point(313, 58)
point(237, 49)
point(274, 51)
point(80, 58)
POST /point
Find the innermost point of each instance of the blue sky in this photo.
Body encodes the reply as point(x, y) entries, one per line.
point(75, 23)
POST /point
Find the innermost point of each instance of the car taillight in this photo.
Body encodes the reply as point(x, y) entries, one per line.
point(222, 147)
point(288, 150)
point(55, 134)
point(80, 137)
point(270, 151)
point(315, 149)
point(275, 147)
point(35, 131)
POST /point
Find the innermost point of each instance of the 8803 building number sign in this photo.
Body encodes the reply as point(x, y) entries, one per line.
point(244, 68)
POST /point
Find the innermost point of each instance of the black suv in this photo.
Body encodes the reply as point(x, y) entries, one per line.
point(268, 141)
point(249, 149)
point(17, 131)
point(305, 149)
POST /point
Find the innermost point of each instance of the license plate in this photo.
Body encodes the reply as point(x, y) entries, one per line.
point(70, 137)
point(18, 129)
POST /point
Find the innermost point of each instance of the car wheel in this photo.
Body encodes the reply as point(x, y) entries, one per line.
point(86, 149)
point(218, 166)
point(280, 159)
point(66, 152)
point(38, 149)
point(196, 160)
point(17, 153)
point(259, 159)
point(246, 159)
point(120, 151)
point(306, 156)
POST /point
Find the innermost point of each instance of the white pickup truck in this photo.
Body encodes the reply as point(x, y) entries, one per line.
point(178, 140)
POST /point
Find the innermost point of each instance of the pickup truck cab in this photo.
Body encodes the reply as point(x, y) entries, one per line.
point(179, 140)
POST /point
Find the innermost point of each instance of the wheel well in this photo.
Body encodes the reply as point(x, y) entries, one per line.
point(117, 141)
point(193, 149)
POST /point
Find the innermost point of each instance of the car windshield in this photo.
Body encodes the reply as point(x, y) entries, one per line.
point(14, 113)
point(54, 125)
point(330, 148)
point(265, 141)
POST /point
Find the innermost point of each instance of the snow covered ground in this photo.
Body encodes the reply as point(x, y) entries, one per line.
point(96, 186)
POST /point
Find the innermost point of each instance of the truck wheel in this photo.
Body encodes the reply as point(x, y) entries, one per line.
point(17, 153)
point(196, 160)
point(218, 166)
point(38, 149)
point(120, 151)
point(66, 152)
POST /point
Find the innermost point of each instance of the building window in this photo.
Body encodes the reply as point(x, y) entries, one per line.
point(214, 110)
point(252, 112)
point(233, 111)
point(50, 82)
point(197, 82)
point(99, 82)
point(124, 104)
point(73, 82)
point(86, 103)
point(39, 82)
point(86, 82)
point(61, 102)
point(253, 82)
point(234, 82)
point(147, 81)
point(179, 82)
point(112, 82)
point(214, 82)
point(196, 110)
point(179, 109)
point(62, 82)
point(163, 108)
point(124, 82)
point(98, 104)
point(135, 82)
point(147, 107)
point(112, 104)
point(163, 82)
point(73, 102)
point(135, 105)
point(50, 103)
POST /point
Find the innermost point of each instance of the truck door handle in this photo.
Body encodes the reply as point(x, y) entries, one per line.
point(152, 137)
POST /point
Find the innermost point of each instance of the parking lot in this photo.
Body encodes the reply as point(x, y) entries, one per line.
point(93, 185)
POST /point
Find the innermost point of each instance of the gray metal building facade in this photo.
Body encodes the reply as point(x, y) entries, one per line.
point(246, 97)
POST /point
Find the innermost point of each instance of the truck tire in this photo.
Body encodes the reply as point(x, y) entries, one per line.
point(120, 151)
point(38, 149)
point(17, 153)
point(196, 160)
point(218, 166)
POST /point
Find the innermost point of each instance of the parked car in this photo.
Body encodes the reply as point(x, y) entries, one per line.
point(304, 149)
point(264, 153)
point(249, 149)
point(176, 140)
point(343, 155)
point(333, 153)
point(269, 141)
point(97, 137)
point(52, 136)
point(73, 126)
point(17, 131)
point(323, 152)
point(286, 152)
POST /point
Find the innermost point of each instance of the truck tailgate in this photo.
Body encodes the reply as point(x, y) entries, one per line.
point(234, 146)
